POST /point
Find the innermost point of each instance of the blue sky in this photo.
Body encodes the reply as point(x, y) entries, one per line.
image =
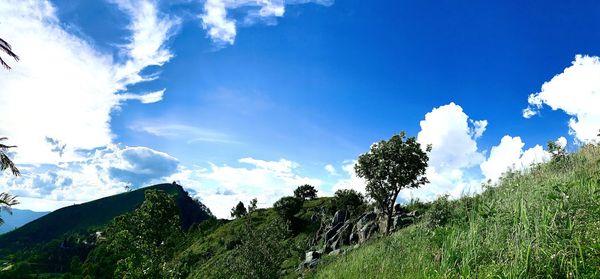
point(272, 92)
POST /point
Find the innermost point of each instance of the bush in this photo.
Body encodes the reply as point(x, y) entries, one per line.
point(350, 200)
point(239, 210)
point(287, 207)
point(440, 212)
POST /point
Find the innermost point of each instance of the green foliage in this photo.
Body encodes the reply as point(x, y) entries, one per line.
point(558, 152)
point(541, 223)
point(348, 199)
point(287, 207)
point(252, 207)
point(440, 213)
point(305, 192)
point(138, 244)
point(239, 210)
point(391, 166)
point(261, 252)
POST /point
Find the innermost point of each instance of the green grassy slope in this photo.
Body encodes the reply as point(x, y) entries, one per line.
point(205, 252)
point(82, 217)
point(541, 224)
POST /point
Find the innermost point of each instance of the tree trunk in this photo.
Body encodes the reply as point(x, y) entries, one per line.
point(389, 220)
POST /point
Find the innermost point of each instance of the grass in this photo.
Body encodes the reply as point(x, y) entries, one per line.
point(544, 223)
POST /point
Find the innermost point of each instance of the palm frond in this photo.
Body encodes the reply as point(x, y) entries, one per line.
point(5, 161)
point(6, 202)
point(6, 48)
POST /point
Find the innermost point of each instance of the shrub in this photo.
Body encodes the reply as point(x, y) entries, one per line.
point(287, 207)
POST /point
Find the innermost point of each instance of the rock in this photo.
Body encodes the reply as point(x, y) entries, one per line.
point(339, 217)
point(367, 232)
point(365, 219)
point(312, 255)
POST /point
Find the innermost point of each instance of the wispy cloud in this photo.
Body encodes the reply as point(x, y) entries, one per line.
point(188, 133)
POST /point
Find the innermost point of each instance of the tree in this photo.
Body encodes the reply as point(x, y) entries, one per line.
point(140, 243)
point(391, 166)
point(6, 48)
point(305, 192)
point(557, 151)
point(287, 207)
point(7, 200)
point(252, 207)
point(239, 210)
point(348, 199)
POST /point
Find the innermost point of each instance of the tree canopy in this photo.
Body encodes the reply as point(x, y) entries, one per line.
point(305, 192)
point(390, 166)
point(239, 210)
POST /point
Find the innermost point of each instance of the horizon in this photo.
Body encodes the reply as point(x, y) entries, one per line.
point(237, 100)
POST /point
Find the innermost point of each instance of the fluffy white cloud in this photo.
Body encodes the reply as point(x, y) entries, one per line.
point(576, 91)
point(221, 187)
point(104, 171)
point(352, 181)
point(222, 28)
point(509, 155)
point(65, 89)
point(454, 152)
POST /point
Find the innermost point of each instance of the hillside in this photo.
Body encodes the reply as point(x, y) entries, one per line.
point(19, 217)
point(541, 224)
point(82, 217)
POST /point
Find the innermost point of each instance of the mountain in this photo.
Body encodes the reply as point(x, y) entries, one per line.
point(19, 217)
point(83, 217)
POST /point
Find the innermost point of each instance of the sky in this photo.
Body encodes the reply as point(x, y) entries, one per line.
point(236, 99)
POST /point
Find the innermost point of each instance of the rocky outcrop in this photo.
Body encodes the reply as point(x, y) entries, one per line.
point(342, 232)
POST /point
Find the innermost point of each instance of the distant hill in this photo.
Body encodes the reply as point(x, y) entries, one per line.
point(83, 217)
point(19, 217)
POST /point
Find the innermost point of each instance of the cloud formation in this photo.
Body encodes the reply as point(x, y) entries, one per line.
point(67, 89)
point(221, 187)
point(576, 91)
point(221, 26)
point(509, 155)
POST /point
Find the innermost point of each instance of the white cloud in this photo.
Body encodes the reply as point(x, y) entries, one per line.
point(576, 91)
point(222, 27)
point(454, 152)
point(65, 89)
point(329, 168)
point(185, 132)
point(221, 187)
point(509, 155)
point(104, 171)
point(352, 181)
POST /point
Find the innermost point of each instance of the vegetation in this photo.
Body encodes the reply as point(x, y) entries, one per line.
point(6, 48)
point(6, 200)
point(305, 192)
point(391, 166)
point(542, 223)
point(348, 199)
point(138, 244)
point(287, 207)
point(239, 210)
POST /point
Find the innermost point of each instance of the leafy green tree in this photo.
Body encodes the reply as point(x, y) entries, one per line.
point(239, 210)
point(305, 192)
point(348, 199)
point(138, 244)
point(6, 48)
point(253, 205)
point(390, 166)
point(287, 207)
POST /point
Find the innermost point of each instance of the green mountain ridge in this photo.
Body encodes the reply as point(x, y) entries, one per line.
point(80, 218)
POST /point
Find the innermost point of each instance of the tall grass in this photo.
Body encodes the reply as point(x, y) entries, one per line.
point(544, 223)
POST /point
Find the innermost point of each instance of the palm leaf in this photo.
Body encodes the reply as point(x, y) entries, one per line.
point(6, 48)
